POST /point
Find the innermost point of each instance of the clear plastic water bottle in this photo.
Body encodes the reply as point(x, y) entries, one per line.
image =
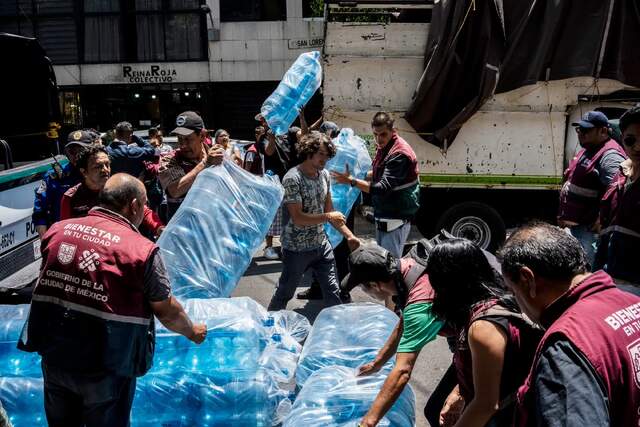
point(335, 396)
point(297, 87)
point(209, 242)
point(23, 400)
point(331, 343)
point(351, 152)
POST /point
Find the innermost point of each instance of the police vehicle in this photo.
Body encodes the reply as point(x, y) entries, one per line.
point(29, 147)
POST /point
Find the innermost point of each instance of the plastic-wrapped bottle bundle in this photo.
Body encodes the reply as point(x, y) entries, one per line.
point(297, 87)
point(209, 242)
point(14, 362)
point(293, 324)
point(198, 399)
point(233, 378)
point(233, 346)
point(23, 400)
point(351, 151)
point(335, 397)
point(345, 335)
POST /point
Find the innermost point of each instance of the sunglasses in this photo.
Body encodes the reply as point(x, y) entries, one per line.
point(630, 141)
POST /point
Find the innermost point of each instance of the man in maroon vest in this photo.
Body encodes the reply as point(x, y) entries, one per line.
point(586, 370)
point(91, 318)
point(95, 167)
point(587, 178)
point(393, 185)
point(619, 243)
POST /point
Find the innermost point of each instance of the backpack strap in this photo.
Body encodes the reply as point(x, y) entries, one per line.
point(413, 275)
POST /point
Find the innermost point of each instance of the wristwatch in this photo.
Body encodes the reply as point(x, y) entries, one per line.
point(354, 182)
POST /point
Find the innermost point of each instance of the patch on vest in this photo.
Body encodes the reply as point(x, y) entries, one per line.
point(89, 260)
point(634, 354)
point(66, 251)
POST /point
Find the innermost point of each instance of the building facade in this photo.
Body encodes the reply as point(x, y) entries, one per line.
point(147, 60)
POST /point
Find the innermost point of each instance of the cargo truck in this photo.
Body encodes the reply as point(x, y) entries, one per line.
point(489, 158)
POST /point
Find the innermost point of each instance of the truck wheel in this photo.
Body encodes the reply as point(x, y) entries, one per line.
point(475, 221)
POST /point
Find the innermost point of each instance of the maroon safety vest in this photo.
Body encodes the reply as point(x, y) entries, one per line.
point(582, 190)
point(81, 200)
point(88, 311)
point(398, 146)
point(522, 339)
point(402, 202)
point(602, 322)
point(620, 238)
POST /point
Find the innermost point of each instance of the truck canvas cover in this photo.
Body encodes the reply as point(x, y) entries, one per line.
point(478, 48)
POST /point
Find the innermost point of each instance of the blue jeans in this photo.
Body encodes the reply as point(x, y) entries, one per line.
point(73, 400)
point(394, 241)
point(587, 239)
point(294, 264)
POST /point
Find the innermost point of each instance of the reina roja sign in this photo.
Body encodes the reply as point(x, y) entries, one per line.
point(151, 73)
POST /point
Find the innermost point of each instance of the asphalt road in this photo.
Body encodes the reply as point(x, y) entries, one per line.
point(259, 283)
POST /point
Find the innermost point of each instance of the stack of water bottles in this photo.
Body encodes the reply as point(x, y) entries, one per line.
point(20, 374)
point(241, 375)
point(351, 154)
point(343, 338)
point(347, 335)
point(230, 379)
point(335, 396)
point(297, 87)
point(209, 242)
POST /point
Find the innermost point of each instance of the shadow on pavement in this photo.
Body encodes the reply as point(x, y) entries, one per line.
point(261, 265)
point(311, 309)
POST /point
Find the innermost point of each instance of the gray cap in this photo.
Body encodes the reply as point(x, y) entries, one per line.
point(369, 263)
point(187, 123)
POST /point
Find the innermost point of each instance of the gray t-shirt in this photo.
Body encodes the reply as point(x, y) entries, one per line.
point(156, 286)
point(312, 194)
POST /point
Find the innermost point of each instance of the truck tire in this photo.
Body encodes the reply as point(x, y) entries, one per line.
point(475, 221)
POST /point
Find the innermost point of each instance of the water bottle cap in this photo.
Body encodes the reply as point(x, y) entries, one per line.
point(269, 321)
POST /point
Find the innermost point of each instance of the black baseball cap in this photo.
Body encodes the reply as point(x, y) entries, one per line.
point(82, 138)
point(592, 119)
point(187, 123)
point(369, 263)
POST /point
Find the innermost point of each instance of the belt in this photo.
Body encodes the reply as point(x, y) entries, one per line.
point(387, 225)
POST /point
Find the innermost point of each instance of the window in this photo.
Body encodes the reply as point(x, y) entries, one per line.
point(182, 42)
point(253, 10)
point(99, 31)
point(51, 21)
point(169, 30)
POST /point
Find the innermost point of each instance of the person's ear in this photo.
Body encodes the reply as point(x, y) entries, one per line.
point(134, 206)
point(528, 281)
